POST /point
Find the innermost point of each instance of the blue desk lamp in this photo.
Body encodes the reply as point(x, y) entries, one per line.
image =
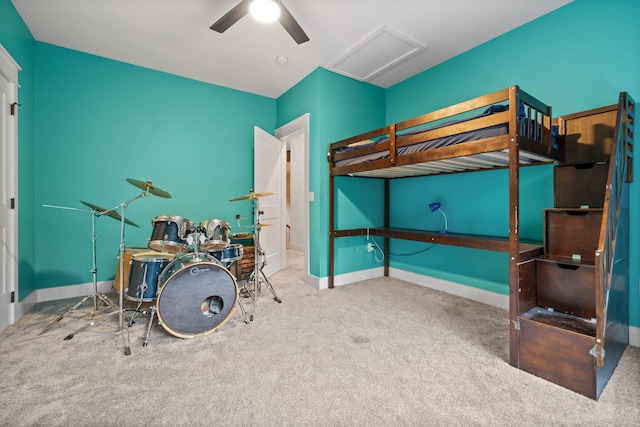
point(435, 206)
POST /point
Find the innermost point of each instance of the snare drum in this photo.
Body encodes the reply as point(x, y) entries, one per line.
point(216, 235)
point(143, 275)
point(230, 254)
point(170, 234)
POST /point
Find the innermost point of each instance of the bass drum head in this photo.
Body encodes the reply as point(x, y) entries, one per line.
point(197, 300)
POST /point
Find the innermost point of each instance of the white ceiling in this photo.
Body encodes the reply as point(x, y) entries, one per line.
point(174, 36)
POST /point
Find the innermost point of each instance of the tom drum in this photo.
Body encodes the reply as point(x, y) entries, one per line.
point(170, 234)
point(216, 234)
point(230, 254)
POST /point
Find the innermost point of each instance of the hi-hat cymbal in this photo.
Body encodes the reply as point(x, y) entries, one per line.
point(265, 224)
point(149, 187)
point(112, 214)
point(251, 195)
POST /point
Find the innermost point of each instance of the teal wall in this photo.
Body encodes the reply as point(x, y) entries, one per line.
point(102, 121)
point(17, 40)
point(339, 107)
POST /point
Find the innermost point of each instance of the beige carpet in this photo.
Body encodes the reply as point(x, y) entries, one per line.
point(376, 353)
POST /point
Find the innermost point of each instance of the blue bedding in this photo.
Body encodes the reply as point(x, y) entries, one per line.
point(474, 135)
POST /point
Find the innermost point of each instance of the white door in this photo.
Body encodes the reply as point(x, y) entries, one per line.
point(269, 168)
point(8, 260)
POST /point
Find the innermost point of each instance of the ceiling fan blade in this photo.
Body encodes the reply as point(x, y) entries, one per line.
point(231, 17)
point(291, 25)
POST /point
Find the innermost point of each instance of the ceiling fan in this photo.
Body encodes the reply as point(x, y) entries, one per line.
point(281, 13)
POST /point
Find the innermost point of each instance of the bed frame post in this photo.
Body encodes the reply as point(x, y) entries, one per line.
point(514, 238)
point(386, 225)
point(332, 232)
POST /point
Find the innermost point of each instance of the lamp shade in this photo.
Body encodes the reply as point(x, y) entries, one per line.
point(435, 206)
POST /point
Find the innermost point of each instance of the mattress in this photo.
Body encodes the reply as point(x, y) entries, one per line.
point(474, 135)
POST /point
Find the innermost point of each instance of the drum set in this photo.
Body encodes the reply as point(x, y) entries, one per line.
point(184, 273)
point(188, 277)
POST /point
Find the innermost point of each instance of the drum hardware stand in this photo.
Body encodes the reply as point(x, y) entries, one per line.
point(123, 207)
point(137, 309)
point(257, 276)
point(252, 286)
point(147, 187)
point(96, 295)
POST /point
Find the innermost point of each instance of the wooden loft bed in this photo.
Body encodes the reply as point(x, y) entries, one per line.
point(483, 133)
point(569, 297)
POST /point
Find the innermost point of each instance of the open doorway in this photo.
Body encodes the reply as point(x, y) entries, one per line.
point(295, 136)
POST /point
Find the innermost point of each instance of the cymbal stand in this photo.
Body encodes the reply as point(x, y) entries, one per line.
point(97, 296)
point(253, 285)
point(123, 207)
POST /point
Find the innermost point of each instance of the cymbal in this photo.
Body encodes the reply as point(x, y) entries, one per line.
point(149, 187)
point(265, 224)
point(251, 195)
point(112, 214)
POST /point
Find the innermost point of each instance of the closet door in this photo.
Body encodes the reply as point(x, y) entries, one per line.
point(269, 168)
point(8, 216)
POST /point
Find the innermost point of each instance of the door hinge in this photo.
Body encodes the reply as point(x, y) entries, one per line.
point(13, 296)
point(13, 203)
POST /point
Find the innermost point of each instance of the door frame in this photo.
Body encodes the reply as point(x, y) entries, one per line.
point(9, 69)
point(285, 133)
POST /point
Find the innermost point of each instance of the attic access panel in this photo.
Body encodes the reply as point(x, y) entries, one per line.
point(379, 51)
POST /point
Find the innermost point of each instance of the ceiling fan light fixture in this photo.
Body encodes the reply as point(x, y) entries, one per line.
point(264, 10)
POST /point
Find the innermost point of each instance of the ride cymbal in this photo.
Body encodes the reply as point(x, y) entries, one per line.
point(112, 214)
point(149, 187)
point(251, 195)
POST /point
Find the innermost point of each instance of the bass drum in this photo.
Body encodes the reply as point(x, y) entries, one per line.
point(197, 300)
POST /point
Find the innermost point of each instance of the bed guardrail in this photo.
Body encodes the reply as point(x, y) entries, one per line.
point(529, 123)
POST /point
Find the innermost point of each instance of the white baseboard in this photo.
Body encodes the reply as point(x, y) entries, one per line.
point(297, 246)
point(72, 291)
point(634, 336)
point(314, 281)
point(356, 276)
point(25, 305)
point(469, 292)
